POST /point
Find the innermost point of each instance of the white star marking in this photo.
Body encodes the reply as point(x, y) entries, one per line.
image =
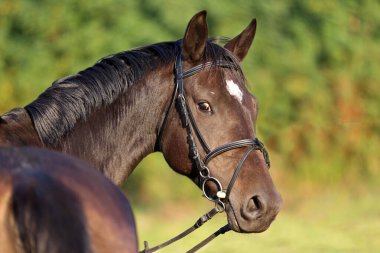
point(234, 90)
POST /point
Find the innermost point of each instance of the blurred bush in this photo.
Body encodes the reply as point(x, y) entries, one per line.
point(313, 67)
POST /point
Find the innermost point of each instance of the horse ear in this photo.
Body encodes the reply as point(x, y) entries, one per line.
point(196, 35)
point(240, 45)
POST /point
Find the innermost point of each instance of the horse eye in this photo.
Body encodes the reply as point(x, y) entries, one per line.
point(204, 106)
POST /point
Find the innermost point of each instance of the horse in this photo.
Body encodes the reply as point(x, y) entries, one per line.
point(53, 203)
point(187, 99)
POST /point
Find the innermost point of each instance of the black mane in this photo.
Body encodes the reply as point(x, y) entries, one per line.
point(71, 99)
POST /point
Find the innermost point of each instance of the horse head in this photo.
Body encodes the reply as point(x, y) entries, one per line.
point(209, 131)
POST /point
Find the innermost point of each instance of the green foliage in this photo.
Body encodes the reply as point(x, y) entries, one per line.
point(313, 68)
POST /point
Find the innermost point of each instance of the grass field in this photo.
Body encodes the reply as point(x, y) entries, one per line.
point(331, 220)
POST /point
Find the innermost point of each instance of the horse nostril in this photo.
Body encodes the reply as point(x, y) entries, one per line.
point(254, 208)
point(254, 204)
point(257, 202)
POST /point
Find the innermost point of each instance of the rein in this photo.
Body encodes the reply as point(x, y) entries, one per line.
point(188, 122)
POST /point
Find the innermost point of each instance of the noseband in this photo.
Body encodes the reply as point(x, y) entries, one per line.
point(188, 122)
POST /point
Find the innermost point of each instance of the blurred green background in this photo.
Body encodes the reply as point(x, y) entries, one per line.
point(314, 68)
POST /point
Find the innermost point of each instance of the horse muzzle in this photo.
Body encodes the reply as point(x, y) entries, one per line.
point(255, 214)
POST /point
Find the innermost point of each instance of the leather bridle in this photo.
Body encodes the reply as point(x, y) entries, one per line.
point(188, 122)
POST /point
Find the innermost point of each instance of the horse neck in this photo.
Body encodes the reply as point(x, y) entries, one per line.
point(117, 137)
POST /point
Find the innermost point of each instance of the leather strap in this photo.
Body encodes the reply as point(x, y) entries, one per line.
point(202, 220)
point(220, 231)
